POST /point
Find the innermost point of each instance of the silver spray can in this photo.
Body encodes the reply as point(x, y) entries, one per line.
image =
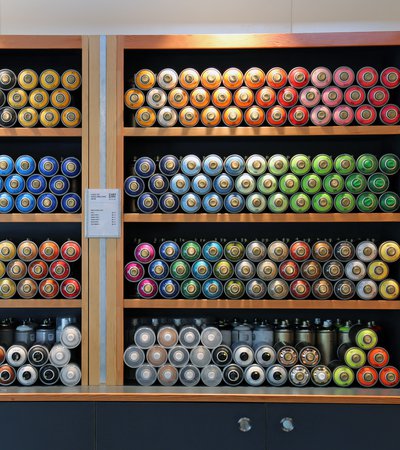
point(211, 375)
point(70, 375)
point(242, 333)
point(299, 375)
point(27, 375)
point(178, 356)
point(304, 333)
point(276, 375)
point(71, 336)
point(254, 375)
point(62, 322)
point(189, 375)
point(145, 337)
point(200, 356)
point(211, 337)
point(284, 333)
point(60, 356)
point(263, 333)
point(326, 342)
point(146, 375)
point(17, 355)
point(25, 334)
point(264, 355)
point(189, 336)
point(242, 354)
point(46, 332)
point(133, 357)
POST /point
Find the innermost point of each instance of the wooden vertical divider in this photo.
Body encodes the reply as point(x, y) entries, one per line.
point(94, 182)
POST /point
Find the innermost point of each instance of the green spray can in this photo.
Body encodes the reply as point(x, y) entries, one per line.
point(389, 164)
point(234, 289)
point(300, 202)
point(223, 270)
point(191, 251)
point(180, 269)
point(367, 164)
point(333, 183)
point(389, 202)
point(356, 183)
point(367, 202)
point(311, 184)
point(267, 184)
point(190, 288)
point(343, 376)
point(345, 202)
point(278, 202)
point(378, 183)
point(300, 164)
point(322, 202)
point(289, 184)
point(322, 164)
point(278, 165)
point(234, 251)
point(344, 164)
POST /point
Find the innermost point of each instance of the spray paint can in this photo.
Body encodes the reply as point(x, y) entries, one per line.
point(276, 375)
point(286, 354)
point(354, 357)
point(321, 376)
point(326, 342)
point(342, 375)
point(232, 375)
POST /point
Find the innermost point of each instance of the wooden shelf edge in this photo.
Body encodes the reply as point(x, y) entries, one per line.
point(261, 131)
point(40, 132)
point(40, 303)
point(203, 394)
point(268, 217)
point(58, 217)
point(40, 42)
point(262, 40)
point(261, 304)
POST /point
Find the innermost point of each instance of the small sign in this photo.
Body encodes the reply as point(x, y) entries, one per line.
point(103, 213)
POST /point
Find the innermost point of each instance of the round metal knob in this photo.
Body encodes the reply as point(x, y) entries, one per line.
point(244, 424)
point(287, 424)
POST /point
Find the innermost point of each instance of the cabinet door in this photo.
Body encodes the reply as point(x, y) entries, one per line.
point(180, 426)
point(47, 425)
point(331, 427)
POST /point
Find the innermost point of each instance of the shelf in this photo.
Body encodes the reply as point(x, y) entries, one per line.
point(260, 131)
point(268, 217)
point(40, 132)
point(58, 217)
point(261, 304)
point(14, 42)
point(33, 303)
point(202, 394)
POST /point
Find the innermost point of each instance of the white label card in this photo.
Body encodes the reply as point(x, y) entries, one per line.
point(103, 213)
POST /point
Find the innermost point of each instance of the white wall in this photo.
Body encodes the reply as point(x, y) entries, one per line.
point(189, 16)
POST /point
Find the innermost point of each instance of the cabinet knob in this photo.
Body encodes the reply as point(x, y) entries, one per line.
point(287, 424)
point(244, 424)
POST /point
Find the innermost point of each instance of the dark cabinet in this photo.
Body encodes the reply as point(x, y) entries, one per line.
point(332, 427)
point(180, 426)
point(48, 425)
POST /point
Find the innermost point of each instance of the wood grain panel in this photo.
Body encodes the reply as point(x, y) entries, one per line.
point(243, 41)
point(261, 131)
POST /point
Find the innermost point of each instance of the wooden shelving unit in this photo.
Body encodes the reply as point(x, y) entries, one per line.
point(119, 134)
point(79, 47)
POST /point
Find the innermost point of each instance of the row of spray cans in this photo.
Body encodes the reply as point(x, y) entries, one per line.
point(245, 97)
point(28, 270)
point(40, 352)
point(257, 183)
point(233, 353)
point(31, 99)
point(261, 269)
point(29, 185)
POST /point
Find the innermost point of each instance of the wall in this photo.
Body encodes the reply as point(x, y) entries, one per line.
point(188, 16)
